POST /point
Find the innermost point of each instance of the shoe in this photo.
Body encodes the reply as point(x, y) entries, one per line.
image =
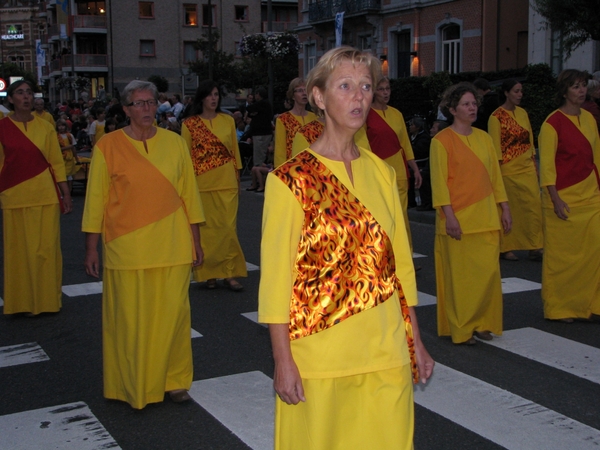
point(211, 284)
point(470, 341)
point(233, 285)
point(536, 255)
point(567, 320)
point(252, 189)
point(179, 396)
point(483, 335)
point(509, 256)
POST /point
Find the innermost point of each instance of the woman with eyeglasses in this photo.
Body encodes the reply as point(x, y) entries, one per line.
point(33, 188)
point(288, 123)
point(212, 140)
point(142, 199)
point(569, 165)
point(385, 134)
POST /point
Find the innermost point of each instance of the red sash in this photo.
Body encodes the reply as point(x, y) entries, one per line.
point(23, 160)
point(383, 139)
point(345, 262)
point(208, 152)
point(574, 159)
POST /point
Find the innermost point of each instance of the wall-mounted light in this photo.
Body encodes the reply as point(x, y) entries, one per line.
point(413, 54)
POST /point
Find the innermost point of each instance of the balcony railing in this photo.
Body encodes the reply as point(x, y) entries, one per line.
point(327, 9)
point(88, 21)
point(279, 27)
point(83, 61)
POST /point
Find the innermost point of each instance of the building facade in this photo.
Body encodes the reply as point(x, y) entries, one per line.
point(416, 38)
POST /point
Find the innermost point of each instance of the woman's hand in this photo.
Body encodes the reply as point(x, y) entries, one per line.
point(416, 172)
point(506, 217)
point(199, 259)
point(67, 201)
point(92, 261)
point(425, 362)
point(287, 382)
point(559, 206)
point(452, 225)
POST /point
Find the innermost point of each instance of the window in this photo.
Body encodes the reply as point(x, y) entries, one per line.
point(190, 54)
point(191, 15)
point(209, 17)
point(90, 7)
point(451, 48)
point(147, 48)
point(146, 10)
point(241, 13)
point(310, 57)
point(364, 42)
point(19, 61)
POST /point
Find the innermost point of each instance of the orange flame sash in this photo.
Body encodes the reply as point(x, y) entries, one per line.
point(311, 131)
point(514, 139)
point(291, 128)
point(208, 152)
point(345, 262)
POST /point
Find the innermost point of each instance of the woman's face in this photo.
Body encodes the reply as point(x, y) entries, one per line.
point(142, 116)
point(211, 101)
point(466, 110)
point(383, 92)
point(22, 98)
point(62, 128)
point(300, 96)
point(347, 97)
point(515, 95)
point(575, 95)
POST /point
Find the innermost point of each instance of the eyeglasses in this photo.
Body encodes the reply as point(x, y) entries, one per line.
point(300, 90)
point(140, 103)
point(384, 89)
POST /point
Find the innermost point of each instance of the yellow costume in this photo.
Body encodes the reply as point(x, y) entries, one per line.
point(31, 213)
point(64, 140)
point(45, 116)
point(368, 349)
point(286, 127)
point(216, 160)
point(97, 131)
point(513, 139)
point(569, 160)
point(306, 136)
point(465, 174)
point(143, 202)
point(398, 160)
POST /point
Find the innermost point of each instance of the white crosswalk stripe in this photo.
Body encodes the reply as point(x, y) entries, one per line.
point(504, 418)
point(65, 427)
point(572, 357)
point(14, 355)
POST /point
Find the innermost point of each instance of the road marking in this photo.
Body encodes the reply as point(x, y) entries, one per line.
point(244, 403)
point(569, 356)
point(1, 302)
point(15, 355)
point(418, 255)
point(426, 299)
point(500, 416)
point(250, 267)
point(71, 426)
point(75, 290)
point(253, 316)
point(512, 285)
point(195, 334)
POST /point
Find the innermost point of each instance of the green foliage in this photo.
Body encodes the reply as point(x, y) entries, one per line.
point(578, 20)
point(8, 70)
point(436, 84)
point(222, 69)
point(409, 96)
point(161, 83)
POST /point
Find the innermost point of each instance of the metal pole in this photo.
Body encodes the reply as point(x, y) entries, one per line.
point(269, 62)
point(210, 42)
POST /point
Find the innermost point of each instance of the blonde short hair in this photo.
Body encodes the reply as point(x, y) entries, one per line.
point(293, 85)
point(330, 61)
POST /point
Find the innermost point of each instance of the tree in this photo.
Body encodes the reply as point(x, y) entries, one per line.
point(161, 83)
point(8, 70)
point(223, 67)
point(577, 20)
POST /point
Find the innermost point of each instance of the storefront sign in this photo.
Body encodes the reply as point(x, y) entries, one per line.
point(13, 33)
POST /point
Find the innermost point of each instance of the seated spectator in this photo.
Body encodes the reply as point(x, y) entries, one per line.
point(259, 173)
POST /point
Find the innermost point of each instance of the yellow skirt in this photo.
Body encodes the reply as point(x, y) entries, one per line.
point(146, 329)
point(571, 265)
point(32, 260)
point(469, 288)
point(223, 256)
point(525, 202)
point(367, 411)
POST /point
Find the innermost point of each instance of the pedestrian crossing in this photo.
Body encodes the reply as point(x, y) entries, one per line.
point(244, 402)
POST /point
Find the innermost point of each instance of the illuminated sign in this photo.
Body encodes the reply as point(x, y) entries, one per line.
point(13, 33)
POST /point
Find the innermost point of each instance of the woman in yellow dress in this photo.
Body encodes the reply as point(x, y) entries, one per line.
point(67, 145)
point(513, 138)
point(385, 134)
point(467, 189)
point(288, 123)
point(569, 164)
point(143, 200)
point(211, 137)
point(33, 189)
point(337, 285)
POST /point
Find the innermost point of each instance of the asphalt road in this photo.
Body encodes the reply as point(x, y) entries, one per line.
point(537, 387)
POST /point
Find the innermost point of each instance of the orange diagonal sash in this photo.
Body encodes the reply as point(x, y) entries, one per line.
point(208, 152)
point(514, 139)
point(345, 263)
point(291, 128)
point(468, 179)
point(139, 194)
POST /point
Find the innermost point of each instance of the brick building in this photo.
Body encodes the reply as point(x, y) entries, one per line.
point(416, 38)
